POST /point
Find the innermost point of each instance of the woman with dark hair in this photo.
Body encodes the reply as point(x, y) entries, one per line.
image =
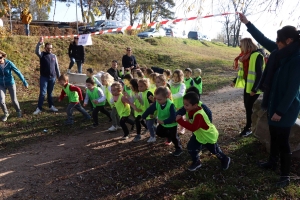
point(281, 86)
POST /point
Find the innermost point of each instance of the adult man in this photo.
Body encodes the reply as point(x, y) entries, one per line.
point(76, 54)
point(113, 71)
point(49, 70)
point(128, 60)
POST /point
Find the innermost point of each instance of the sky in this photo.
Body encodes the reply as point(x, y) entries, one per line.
point(267, 22)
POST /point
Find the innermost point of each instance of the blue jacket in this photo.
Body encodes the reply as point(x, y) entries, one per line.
point(6, 77)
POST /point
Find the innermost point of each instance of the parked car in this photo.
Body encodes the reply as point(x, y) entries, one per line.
point(169, 32)
point(195, 35)
point(101, 25)
point(152, 32)
point(205, 37)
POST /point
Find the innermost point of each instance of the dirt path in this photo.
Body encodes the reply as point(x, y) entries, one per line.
point(92, 164)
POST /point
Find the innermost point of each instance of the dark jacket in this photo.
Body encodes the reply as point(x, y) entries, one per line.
point(114, 73)
point(281, 76)
point(128, 61)
point(76, 51)
point(48, 63)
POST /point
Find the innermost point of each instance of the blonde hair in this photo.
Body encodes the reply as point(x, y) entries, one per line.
point(179, 74)
point(106, 76)
point(63, 77)
point(197, 70)
point(153, 76)
point(3, 54)
point(117, 85)
point(145, 81)
point(247, 45)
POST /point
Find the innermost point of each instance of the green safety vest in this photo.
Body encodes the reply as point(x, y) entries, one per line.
point(205, 136)
point(123, 110)
point(127, 89)
point(198, 86)
point(108, 95)
point(187, 83)
point(94, 95)
point(240, 81)
point(163, 114)
point(138, 105)
point(179, 101)
point(73, 96)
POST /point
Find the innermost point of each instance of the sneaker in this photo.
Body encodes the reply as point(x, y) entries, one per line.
point(124, 138)
point(19, 114)
point(151, 139)
point(5, 116)
point(225, 163)
point(137, 138)
point(168, 143)
point(112, 128)
point(177, 152)
point(52, 108)
point(69, 122)
point(68, 71)
point(37, 111)
point(118, 127)
point(195, 165)
point(246, 132)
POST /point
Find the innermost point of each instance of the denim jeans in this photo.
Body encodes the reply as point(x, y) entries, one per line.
point(27, 29)
point(78, 62)
point(77, 106)
point(46, 86)
point(115, 117)
point(150, 126)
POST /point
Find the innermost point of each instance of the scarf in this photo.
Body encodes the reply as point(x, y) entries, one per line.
point(243, 58)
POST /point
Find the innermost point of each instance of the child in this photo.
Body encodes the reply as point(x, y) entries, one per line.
point(97, 97)
point(204, 132)
point(90, 74)
point(166, 116)
point(140, 74)
point(145, 102)
point(122, 106)
point(167, 73)
point(152, 78)
point(107, 80)
point(198, 80)
point(148, 72)
point(143, 69)
point(134, 73)
point(188, 81)
point(75, 96)
point(127, 78)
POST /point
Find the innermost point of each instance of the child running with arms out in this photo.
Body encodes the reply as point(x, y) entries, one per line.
point(166, 117)
point(198, 80)
point(75, 96)
point(204, 132)
point(97, 97)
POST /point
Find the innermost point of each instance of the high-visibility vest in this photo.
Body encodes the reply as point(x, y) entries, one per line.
point(122, 109)
point(163, 114)
point(72, 95)
point(93, 95)
point(187, 83)
point(240, 81)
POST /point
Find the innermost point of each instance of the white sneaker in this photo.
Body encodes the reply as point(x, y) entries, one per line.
point(112, 128)
point(53, 109)
point(118, 127)
point(37, 111)
point(151, 139)
point(68, 71)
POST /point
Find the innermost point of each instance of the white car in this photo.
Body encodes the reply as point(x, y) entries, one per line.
point(152, 32)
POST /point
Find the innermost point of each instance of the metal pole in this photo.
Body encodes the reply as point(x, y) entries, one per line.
point(77, 18)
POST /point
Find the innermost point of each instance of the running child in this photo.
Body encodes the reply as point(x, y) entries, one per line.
point(188, 80)
point(126, 79)
point(167, 73)
point(90, 74)
point(204, 132)
point(75, 96)
point(166, 117)
point(140, 74)
point(198, 80)
point(98, 99)
point(152, 85)
point(148, 72)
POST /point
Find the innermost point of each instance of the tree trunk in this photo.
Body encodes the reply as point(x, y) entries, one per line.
point(54, 10)
point(82, 14)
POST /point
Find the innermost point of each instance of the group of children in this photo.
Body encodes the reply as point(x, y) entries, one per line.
point(164, 104)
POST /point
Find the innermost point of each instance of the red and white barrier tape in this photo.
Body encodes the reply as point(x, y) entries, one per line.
point(139, 25)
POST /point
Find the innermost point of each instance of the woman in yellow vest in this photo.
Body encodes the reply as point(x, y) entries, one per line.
point(250, 72)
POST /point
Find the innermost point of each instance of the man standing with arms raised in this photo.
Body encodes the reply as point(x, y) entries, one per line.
point(49, 70)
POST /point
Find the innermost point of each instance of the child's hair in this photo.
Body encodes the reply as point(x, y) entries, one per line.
point(153, 76)
point(90, 80)
point(143, 69)
point(179, 74)
point(192, 97)
point(117, 85)
point(63, 77)
point(188, 70)
point(149, 71)
point(198, 70)
point(134, 85)
point(162, 78)
point(90, 70)
point(128, 77)
point(168, 72)
point(140, 74)
point(144, 81)
point(106, 76)
point(193, 89)
point(162, 91)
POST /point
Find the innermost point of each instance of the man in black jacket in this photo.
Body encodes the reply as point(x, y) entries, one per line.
point(128, 60)
point(113, 71)
point(49, 70)
point(76, 54)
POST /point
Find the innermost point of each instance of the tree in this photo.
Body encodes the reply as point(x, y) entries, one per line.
point(40, 14)
point(133, 9)
point(111, 7)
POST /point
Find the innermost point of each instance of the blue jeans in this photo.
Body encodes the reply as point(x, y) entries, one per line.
point(46, 86)
point(27, 29)
point(150, 126)
point(78, 62)
point(70, 110)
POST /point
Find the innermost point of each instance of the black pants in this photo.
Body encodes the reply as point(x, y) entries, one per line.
point(96, 111)
point(138, 123)
point(123, 122)
point(194, 147)
point(170, 133)
point(248, 103)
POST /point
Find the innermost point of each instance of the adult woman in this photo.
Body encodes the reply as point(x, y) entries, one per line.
point(281, 84)
point(249, 76)
point(7, 82)
point(76, 54)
